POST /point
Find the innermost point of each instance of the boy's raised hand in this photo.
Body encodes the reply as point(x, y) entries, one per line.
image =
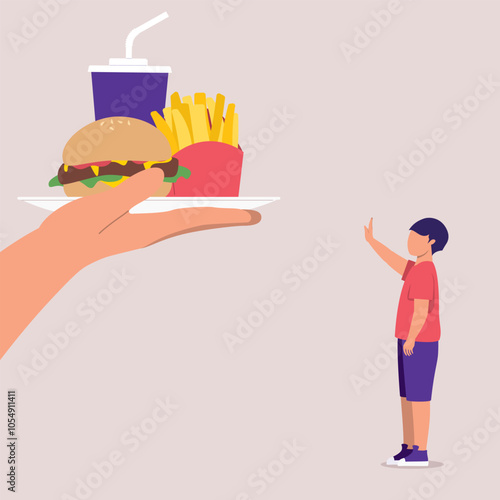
point(369, 231)
point(394, 260)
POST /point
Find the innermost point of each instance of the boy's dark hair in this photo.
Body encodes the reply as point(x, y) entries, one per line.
point(433, 228)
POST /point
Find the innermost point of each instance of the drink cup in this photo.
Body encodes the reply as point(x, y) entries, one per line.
point(129, 89)
point(129, 86)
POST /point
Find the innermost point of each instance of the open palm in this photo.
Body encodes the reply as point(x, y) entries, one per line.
point(101, 225)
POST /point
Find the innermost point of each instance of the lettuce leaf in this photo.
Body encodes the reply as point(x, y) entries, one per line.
point(181, 172)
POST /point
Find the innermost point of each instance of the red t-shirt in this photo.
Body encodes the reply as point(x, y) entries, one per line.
point(420, 283)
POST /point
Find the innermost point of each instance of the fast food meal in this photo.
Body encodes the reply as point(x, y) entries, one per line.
point(106, 152)
point(204, 140)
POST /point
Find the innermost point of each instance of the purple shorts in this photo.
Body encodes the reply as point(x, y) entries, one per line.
point(416, 372)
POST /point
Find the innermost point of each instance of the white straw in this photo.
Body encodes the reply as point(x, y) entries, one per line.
point(129, 42)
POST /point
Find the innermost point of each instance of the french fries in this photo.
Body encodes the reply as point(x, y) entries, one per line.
point(189, 121)
point(181, 129)
point(211, 109)
point(217, 118)
point(200, 98)
point(167, 114)
point(227, 133)
point(161, 124)
point(185, 110)
point(200, 123)
point(175, 100)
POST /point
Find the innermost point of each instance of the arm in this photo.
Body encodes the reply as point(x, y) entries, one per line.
point(32, 270)
point(394, 260)
point(36, 267)
point(420, 313)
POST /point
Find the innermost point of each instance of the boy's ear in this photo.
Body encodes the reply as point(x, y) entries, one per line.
point(432, 242)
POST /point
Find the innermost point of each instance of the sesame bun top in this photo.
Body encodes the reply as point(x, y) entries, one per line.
point(117, 138)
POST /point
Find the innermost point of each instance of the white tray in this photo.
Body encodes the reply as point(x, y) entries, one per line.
point(153, 205)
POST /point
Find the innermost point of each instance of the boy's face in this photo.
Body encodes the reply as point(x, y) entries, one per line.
point(419, 245)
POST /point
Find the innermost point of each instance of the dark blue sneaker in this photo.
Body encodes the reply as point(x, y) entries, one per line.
point(417, 458)
point(402, 454)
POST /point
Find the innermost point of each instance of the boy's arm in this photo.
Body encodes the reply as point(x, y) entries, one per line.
point(394, 260)
point(420, 313)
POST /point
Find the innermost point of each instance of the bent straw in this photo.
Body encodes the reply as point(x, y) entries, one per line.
point(129, 42)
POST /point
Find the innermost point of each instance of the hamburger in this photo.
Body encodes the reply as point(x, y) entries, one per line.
point(106, 152)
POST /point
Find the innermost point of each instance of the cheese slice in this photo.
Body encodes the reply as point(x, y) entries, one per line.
point(115, 183)
point(95, 168)
point(149, 164)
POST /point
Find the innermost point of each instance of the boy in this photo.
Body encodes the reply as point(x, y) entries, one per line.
point(418, 332)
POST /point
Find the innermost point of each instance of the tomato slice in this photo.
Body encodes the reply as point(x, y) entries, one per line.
point(96, 163)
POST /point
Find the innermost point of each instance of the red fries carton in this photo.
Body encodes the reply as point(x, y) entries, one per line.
point(215, 170)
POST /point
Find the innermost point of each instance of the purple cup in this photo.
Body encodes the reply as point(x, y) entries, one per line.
point(129, 87)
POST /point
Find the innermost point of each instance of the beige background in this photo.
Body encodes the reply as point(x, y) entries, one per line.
point(163, 335)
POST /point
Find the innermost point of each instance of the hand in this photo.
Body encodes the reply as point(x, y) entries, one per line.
point(100, 225)
point(369, 231)
point(408, 347)
point(37, 266)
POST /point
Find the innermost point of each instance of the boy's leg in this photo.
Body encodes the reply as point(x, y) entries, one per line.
point(407, 445)
point(408, 423)
point(406, 411)
point(419, 369)
point(421, 412)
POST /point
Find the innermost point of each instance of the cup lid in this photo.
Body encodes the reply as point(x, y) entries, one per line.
point(129, 65)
